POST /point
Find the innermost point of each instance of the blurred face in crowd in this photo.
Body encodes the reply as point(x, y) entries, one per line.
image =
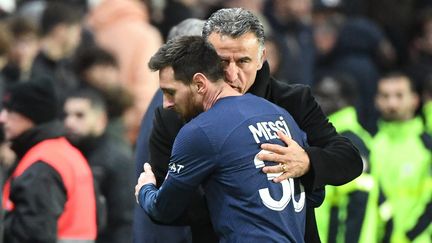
point(82, 120)
point(242, 58)
point(395, 99)
point(325, 37)
point(14, 124)
point(104, 77)
point(23, 50)
point(328, 96)
point(70, 37)
point(179, 96)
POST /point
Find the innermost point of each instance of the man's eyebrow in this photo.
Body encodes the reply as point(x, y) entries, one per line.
point(245, 59)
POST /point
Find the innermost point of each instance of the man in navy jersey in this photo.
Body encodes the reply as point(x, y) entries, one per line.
point(218, 149)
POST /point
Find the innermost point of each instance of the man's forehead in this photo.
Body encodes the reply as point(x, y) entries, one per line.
point(78, 105)
point(167, 79)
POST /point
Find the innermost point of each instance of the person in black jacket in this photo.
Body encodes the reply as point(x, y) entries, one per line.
point(39, 194)
point(86, 121)
point(238, 37)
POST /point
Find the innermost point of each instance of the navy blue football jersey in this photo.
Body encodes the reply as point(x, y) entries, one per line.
point(218, 150)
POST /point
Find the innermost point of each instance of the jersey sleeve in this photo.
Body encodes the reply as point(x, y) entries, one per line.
point(192, 160)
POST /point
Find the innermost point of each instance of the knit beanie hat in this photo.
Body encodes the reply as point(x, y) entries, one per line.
point(35, 99)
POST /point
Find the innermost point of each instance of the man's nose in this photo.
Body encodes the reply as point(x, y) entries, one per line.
point(231, 72)
point(167, 103)
point(393, 102)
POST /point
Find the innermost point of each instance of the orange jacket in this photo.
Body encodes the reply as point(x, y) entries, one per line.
point(78, 220)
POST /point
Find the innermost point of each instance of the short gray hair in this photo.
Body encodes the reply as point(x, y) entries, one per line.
point(190, 26)
point(234, 22)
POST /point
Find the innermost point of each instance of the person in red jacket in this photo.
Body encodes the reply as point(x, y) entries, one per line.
point(49, 193)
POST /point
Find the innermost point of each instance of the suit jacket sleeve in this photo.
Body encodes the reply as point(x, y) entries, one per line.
point(333, 158)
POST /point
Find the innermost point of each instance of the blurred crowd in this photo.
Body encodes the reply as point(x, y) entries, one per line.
point(368, 63)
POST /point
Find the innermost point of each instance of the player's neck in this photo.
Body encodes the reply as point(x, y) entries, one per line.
point(220, 91)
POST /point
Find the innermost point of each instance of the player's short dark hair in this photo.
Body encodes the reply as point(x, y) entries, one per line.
point(187, 56)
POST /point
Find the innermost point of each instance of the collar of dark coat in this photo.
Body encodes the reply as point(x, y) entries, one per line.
point(88, 144)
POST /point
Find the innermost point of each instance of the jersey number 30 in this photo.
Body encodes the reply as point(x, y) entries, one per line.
point(287, 190)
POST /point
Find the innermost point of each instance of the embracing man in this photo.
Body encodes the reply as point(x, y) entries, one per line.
point(218, 149)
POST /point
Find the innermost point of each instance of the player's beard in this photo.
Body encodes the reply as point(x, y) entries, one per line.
point(190, 109)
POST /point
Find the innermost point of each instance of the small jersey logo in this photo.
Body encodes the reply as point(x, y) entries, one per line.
point(175, 168)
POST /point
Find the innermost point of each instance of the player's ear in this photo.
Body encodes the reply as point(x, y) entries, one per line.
point(199, 81)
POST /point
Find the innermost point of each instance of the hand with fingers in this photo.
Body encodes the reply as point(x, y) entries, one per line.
point(293, 159)
point(145, 177)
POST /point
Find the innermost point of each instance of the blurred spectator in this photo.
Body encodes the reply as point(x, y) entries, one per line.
point(25, 47)
point(98, 69)
point(49, 194)
point(401, 156)
point(350, 45)
point(275, 57)
point(290, 21)
point(349, 212)
point(60, 30)
point(426, 96)
point(395, 20)
point(122, 27)
point(174, 12)
point(86, 120)
point(420, 64)
point(5, 45)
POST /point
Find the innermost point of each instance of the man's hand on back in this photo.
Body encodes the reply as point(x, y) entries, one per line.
point(293, 159)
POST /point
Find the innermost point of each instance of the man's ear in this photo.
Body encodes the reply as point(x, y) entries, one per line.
point(263, 56)
point(199, 81)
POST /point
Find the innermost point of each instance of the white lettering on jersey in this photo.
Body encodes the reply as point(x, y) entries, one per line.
point(268, 129)
point(175, 168)
point(287, 190)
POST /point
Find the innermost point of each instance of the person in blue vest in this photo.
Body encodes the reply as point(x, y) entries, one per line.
point(218, 148)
